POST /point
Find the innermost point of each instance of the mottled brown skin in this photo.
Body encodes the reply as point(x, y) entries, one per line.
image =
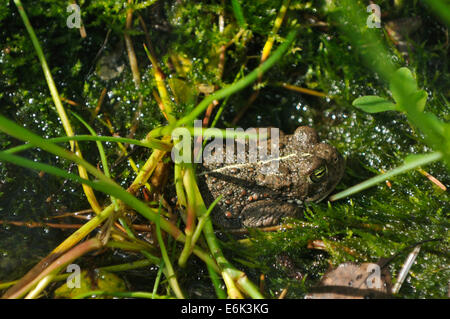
point(253, 197)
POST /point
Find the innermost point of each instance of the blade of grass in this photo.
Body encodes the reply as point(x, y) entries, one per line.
point(210, 133)
point(114, 268)
point(300, 89)
point(121, 294)
point(202, 220)
point(264, 55)
point(232, 290)
point(147, 170)
point(229, 90)
point(240, 277)
point(152, 143)
point(112, 190)
point(228, 271)
point(12, 129)
point(161, 86)
point(44, 282)
point(238, 14)
point(58, 104)
point(171, 277)
point(419, 161)
point(217, 283)
point(123, 149)
point(101, 185)
point(130, 266)
point(441, 8)
point(48, 77)
point(101, 151)
point(276, 26)
point(239, 85)
point(130, 48)
point(190, 218)
point(55, 267)
point(158, 279)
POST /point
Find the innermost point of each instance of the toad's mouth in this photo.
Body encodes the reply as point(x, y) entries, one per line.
point(322, 197)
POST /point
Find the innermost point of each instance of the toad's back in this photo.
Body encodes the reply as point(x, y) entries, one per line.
point(261, 193)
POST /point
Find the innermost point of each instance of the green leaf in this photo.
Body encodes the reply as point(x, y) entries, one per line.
point(374, 104)
point(184, 92)
point(421, 99)
point(434, 123)
point(402, 85)
point(413, 158)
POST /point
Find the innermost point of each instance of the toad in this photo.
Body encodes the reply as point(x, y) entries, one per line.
point(257, 195)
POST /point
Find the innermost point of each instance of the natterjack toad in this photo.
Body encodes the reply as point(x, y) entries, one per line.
point(255, 196)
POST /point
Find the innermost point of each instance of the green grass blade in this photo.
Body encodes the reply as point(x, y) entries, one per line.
point(158, 279)
point(121, 294)
point(217, 283)
point(151, 143)
point(100, 148)
point(23, 134)
point(441, 8)
point(238, 13)
point(171, 277)
point(229, 90)
point(241, 84)
point(413, 163)
point(100, 185)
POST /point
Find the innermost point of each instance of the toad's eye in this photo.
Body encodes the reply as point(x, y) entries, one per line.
point(318, 174)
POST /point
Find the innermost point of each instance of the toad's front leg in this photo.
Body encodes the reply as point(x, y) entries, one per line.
point(267, 212)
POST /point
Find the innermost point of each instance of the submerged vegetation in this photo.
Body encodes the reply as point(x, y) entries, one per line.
point(96, 107)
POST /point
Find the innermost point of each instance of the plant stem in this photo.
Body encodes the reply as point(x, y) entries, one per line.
point(101, 151)
point(217, 283)
point(40, 286)
point(189, 186)
point(202, 220)
point(58, 104)
point(264, 55)
point(171, 277)
point(151, 143)
point(167, 108)
point(114, 268)
point(227, 269)
point(229, 90)
point(148, 168)
point(124, 294)
point(20, 289)
point(158, 279)
point(132, 265)
point(225, 265)
point(84, 230)
point(232, 290)
point(181, 195)
point(11, 128)
point(238, 14)
point(422, 160)
point(276, 26)
point(301, 90)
